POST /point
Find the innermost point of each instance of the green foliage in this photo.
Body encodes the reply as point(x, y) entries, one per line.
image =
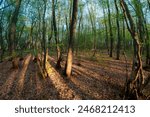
point(31, 14)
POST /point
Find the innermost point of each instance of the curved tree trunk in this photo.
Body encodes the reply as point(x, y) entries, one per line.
point(136, 80)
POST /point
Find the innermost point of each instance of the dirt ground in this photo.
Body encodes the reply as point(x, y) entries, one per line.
point(100, 78)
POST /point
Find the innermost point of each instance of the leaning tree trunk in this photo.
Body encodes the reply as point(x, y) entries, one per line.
point(136, 80)
point(69, 61)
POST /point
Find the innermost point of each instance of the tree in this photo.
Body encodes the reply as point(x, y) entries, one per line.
point(134, 83)
point(69, 60)
point(93, 23)
point(44, 34)
point(106, 31)
point(110, 29)
point(56, 36)
point(79, 29)
point(118, 30)
point(1, 39)
point(12, 27)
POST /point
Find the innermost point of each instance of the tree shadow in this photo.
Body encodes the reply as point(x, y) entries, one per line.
point(36, 87)
point(104, 87)
point(8, 85)
point(104, 83)
point(21, 78)
point(5, 70)
point(105, 72)
point(76, 88)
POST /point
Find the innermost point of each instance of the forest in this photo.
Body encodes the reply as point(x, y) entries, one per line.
point(74, 49)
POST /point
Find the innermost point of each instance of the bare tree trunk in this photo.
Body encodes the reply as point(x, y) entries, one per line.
point(69, 61)
point(106, 31)
point(118, 31)
point(56, 36)
point(44, 35)
point(31, 35)
point(110, 30)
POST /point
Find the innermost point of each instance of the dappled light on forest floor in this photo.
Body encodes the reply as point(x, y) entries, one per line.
point(64, 91)
point(21, 78)
point(99, 82)
point(90, 80)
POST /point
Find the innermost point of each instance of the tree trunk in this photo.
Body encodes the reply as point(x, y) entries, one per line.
point(1, 43)
point(118, 31)
point(110, 30)
point(56, 36)
point(43, 36)
point(106, 31)
point(133, 85)
point(71, 39)
point(94, 32)
point(12, 27)
point(147, 46)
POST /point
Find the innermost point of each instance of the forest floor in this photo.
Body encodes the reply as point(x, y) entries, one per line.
point(96, 78)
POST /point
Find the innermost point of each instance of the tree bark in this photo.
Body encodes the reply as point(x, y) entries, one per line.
point(118, 31)
point(56, 36)
point(71, 39)
point(44, 35)
point(106, 31)
point(110, 30)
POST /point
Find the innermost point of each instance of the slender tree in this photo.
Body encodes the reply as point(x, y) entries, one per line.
point(56, 35)
point(118, 30)
point(110, 29)
point(93, 23)
point(106, 31)
point(44, 34)
point(69, 61)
